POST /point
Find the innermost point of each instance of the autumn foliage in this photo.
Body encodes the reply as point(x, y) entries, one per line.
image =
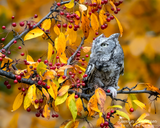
point(47, 82)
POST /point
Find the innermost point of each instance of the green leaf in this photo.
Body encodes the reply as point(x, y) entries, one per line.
point(122, 114)
point(41, 68)
point(61, 99)
point(133, 97)
point(73, 108)
point(115, 106)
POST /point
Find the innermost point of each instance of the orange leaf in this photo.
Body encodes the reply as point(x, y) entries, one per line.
point(86, 49)
point(112, 5)
point(85, 24)
point(79, 106)
point(101, 96)
point(46, 24)
point(63, 90)
point(99, 121)
point(53, 89)
point(56, 30)
point(46, 111)
point(61, 80)
point(45, 93)
point(49, 74)
point(94, 22)
point(61, 69)
point(92, 105)
point(50, 50)
point(63, 58)
point(55, 108)
point(102, 17)
point(152, 88)
point(119, 25)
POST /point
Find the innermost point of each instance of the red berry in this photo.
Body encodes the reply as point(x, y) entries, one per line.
point(107, 116)
point(112, 17)
point(15, 81)
point(70, 73)
point(68, 16)
point(53, 115)
point(108, 91)
point(106, 123)
point(108, 19)
point(30, 26)
point(48, 87)
point(8, 86)
point(120, 1)
point(90, 13)
point(43, 83)
point(64, 25)
point(14, 24)
point(22, 54)
point(76, 96)
point(58, 25)
point(3, 27)
point(39, 82)
point(39, 60)
point(112, 111)
point(116, 3)
point(108, 113)
point(19, 47)
point(21, 24)
point(46, 61)
point(53, 67)
point(105, 1)
point(64, 7)
point(131, 109)
point(21, 74)
point(58, 4)
point(83, 59)
point(23, 89)
point(3, 50)
point(8, 52)
point(18, 77)
point(96, 33)
point(28, 109)
point(112, 8)
point(94, 4)
point(64, 77)
point(3, 39)
point(77, 17)
point(85, 75)
point(36, 101)
point(83, 84)
point(56, 115)
point(105, 25)
point(37, 114)
point(72, 76)
point(15, 42)
point(57, 57)
point(116, 12)
point(118, 9)
point(6, 82)
point(80, 72)
point(70, 26)
point(87, 55)
point(35, 15)
point(40, 100)
point(50, 64)
point(1, 58)
point(13, 17)
point(102, 27)
point(101, 125)
point(82, 64)
point(58, 64)
point(78, 54)
point(102, 2)
point(100, 7)
point(61, 13)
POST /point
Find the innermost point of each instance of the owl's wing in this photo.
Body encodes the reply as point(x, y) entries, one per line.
point(89, 71)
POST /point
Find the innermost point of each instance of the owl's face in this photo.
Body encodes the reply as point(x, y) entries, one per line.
point(103, 45)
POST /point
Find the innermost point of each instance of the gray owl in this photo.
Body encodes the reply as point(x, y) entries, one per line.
point(106, 64)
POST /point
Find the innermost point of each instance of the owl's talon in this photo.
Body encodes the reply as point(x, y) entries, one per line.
point(113, 91)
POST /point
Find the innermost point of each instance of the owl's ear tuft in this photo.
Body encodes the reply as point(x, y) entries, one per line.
point(114, 36)
point(100, 36)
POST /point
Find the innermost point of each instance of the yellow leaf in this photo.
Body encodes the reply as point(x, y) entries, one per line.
point(81, 68)
point(46, 24)
point(94, 22)
point(79, 106)
point(122, 114)
point(102, 16)
point(53, 89)
point(101, 97)
point(112, 5)
point(61, 99)
point(63, 58)
point(142, 116)
point(33, 34)
point(39, 94)
point(99, 2)
point(72, 124)
point(5, 60)
point(82, 8)
point(56, 30)
point(119, 25)
point(18, 101)
point(144, 121)
point(70, 4)
point(29, 58)
point(50, 50)
point(71, 35)
point(45, 93)
point(69, 99)
point(115, 106)
point(61, 80)
point(86, 49)
point(78, 13)
point(50, 74)
point(63, 90)
point(60, 43)
point(55, 108)
point(46, 111)
point(85, 24)
point(140, 104)
point(92, 105)
point(99, 121)
point(27, 101)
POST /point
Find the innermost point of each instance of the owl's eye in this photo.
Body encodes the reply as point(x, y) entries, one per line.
point(103, 44)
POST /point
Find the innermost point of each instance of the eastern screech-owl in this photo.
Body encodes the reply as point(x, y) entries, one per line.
point(106, 64)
